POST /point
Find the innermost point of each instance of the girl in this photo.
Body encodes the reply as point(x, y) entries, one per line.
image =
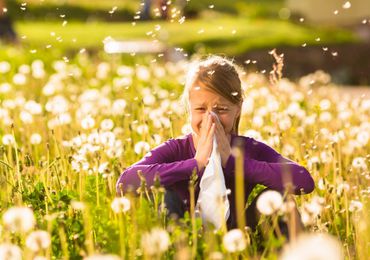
point(213, 85)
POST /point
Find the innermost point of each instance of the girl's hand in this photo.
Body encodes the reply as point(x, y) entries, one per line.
point(223, 142)
point(205, 141)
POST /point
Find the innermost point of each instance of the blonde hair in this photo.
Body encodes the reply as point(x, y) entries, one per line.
point(217, 74)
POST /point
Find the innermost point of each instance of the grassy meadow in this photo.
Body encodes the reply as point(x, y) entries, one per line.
point(70, 126)
point(72, 118)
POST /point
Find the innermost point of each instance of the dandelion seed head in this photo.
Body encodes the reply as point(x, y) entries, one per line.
point(35, 138)
point(155, 242)
point(269, 202)
point(306, 246)
point(102, 257)
point(234, 241)
point(19, 219)
point(38, 240)
point(355, 206)
point(10, 252)
point(120, 205)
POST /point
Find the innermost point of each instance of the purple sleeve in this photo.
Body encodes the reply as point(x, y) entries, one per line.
point(265, 166)
point(161, 160)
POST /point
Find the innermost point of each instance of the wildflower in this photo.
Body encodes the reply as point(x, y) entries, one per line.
point(118, 107)
point(307, 247)
point(311, 210)
point(355, 205)
point(19, 219)
point(26, 117)
point(8, 139)
point(106, 124)
point(142, 129)
point(269, 202)
point(121, 204)
point(102, 257)
point(325, 116)
point(10, 252)
point(155, 242)
point(141, 147)
point(33, 107)
point(39, 257)
point(77, 205)
point(35, 138)
point(4, 67)
point(363, 138)
point(87, 122)
point(216, 256)
point(19, 79)
point(234, 241)
point(38, 240)
point(359, 163)
point(5, 88)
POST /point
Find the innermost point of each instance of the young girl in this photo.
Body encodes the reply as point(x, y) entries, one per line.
point(213, 85)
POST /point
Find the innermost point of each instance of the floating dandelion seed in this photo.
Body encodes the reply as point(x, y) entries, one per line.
point(364, 21)
point(233, 31)
point(234, 93)
point(318, 39)
point(211, 6)
point(5, 10)
point(301, 20)
point(133, 23)
point(62, 15)
point(336, 12)
point(182, 20)
point(247, 61)
point(113, 10)
point(304, 44)
point(324, 48)
point(64, 23)
point(201, 31)
point(334, 53)
point(346, 5)
point(197, 88)
point(33, 51)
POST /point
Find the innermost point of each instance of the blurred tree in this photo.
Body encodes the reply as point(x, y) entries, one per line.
point(7, 32)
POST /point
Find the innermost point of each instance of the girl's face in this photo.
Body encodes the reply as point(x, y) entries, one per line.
point(203, 101)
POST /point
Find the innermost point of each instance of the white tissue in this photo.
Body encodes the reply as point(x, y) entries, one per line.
point(212, 200)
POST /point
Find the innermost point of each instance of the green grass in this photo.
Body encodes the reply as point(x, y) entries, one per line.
point(217, 34)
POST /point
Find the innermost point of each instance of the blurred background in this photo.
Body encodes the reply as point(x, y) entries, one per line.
point(331, 35)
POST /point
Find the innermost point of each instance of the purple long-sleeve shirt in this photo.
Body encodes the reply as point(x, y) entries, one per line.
point(174, 162)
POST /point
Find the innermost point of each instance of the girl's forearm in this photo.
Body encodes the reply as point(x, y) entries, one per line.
point(169, 173)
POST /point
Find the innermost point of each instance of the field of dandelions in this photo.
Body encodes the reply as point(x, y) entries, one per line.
point(70, 126)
